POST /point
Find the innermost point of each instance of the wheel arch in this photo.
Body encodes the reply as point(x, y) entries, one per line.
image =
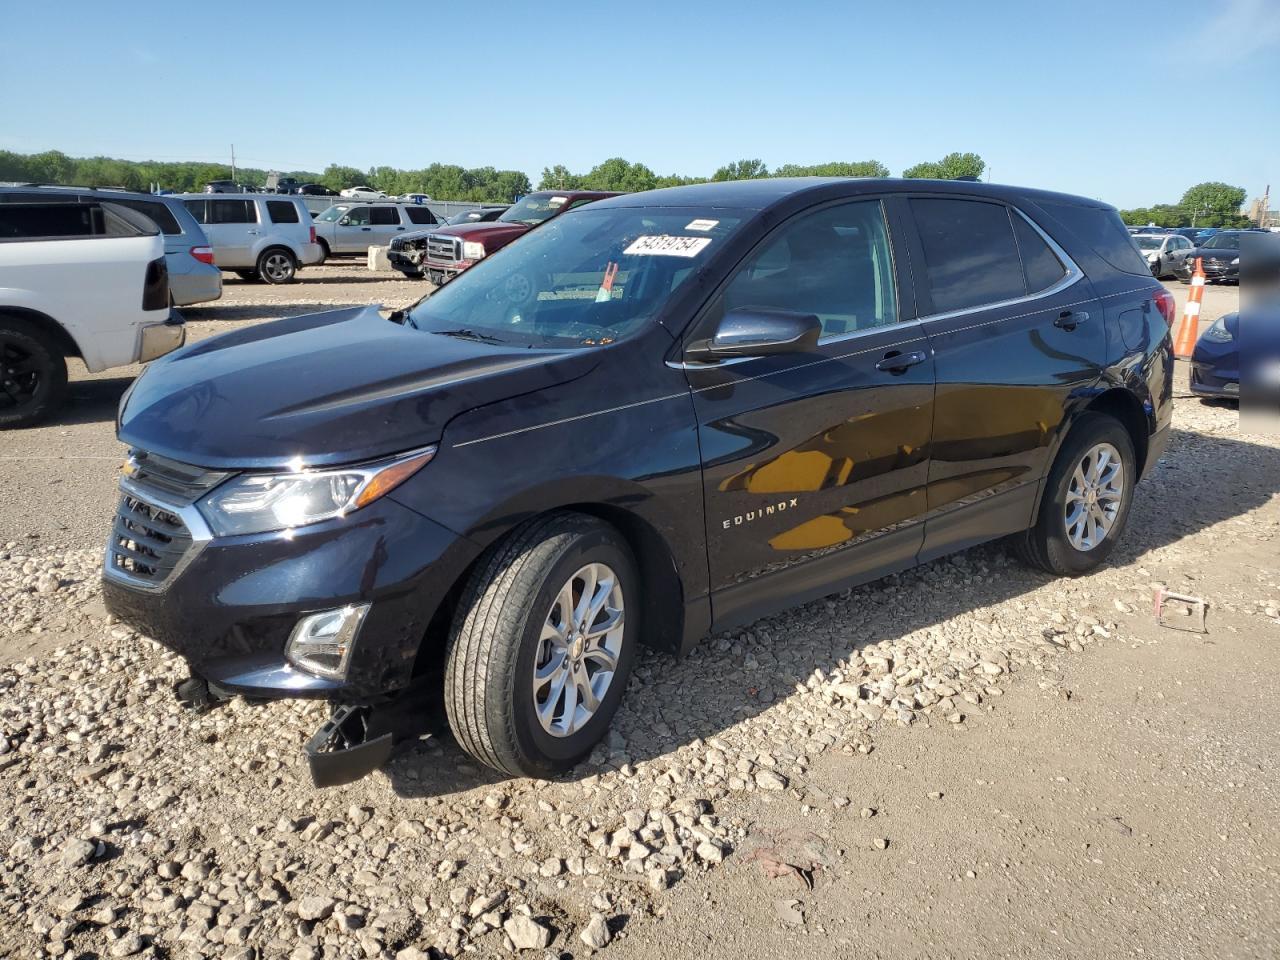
point(60, 335)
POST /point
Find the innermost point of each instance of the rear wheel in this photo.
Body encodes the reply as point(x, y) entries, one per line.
point(33, 373)
point(542, 645)
point(277, 265)
point(1086, 500)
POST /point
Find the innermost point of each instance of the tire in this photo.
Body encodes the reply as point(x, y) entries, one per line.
point(496, 643)
point(33, 373)
point(249, 276)
point(1049, 545)
point(277, 265)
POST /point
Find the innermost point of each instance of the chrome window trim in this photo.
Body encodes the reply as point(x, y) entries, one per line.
point(187, 513)
point(1073, 275)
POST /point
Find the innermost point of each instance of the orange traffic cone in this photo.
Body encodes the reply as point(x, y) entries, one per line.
point(1189, 329)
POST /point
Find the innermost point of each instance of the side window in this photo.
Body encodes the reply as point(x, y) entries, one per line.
point(199, 209)
point(232, 211)
point(158, 213)
point(579, 203)
point(420, 215)
point(836, 263)
point(282, 211)
point(970, 256)
point(358, 216)
point(1102, 229)
point(1040, 264)
point(384, 216)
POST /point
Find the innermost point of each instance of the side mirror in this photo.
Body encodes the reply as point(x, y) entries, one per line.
point(345, 222)
point(757, 332)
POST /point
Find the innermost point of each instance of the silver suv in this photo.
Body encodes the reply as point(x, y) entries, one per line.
point(353, 226)
point(259, 236)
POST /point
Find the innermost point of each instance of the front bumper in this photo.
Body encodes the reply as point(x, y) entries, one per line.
point(1212, 271)
point(232, 602)
point(1208, 380)
point(157, 339)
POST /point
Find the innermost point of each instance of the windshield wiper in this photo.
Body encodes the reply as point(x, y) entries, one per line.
point(464, 334)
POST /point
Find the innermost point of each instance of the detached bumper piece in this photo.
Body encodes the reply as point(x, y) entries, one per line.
point(347, 747)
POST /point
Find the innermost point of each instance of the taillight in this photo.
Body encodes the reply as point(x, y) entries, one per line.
point(1165, 304)
point(155, 287)
point(203, 254)
point(313, 234)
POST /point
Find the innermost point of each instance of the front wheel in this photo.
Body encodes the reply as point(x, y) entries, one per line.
point(277, 266)
point(1086, 499)
point(542, 644)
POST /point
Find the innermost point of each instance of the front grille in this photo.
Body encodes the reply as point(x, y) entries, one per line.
point(147, 540)
point(443, 249)
point(173, 479)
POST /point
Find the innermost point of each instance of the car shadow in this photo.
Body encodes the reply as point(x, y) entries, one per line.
point(672, 703)
point(92, 400)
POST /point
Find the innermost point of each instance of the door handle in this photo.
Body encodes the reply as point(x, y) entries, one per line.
point(399, 228)
point(895, 361)
point(366, 229)
point(1070, 319)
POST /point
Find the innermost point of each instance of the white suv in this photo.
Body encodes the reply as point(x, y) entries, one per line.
point(258, 236)
point(84, 280)
point(355, 226)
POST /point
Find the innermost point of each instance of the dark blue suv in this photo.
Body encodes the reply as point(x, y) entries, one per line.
point(658, 416)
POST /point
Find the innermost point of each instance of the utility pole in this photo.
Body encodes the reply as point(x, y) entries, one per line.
point(1266, 203)
point(233, 161)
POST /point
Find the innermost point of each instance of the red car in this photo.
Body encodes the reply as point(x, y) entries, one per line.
point(442, 253)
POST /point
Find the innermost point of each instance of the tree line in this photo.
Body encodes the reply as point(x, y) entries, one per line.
point(442, 180)
point(1210, 204)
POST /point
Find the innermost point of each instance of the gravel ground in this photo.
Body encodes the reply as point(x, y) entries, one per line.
point(965, 759)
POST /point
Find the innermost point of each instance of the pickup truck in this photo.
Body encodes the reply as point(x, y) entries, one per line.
point(85, 280)
point(443, 253)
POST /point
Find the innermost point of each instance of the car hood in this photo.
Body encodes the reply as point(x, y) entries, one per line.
point(493, 229)
point(330, 388)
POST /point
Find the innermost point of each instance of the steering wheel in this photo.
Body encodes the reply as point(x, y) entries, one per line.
point(518, 288)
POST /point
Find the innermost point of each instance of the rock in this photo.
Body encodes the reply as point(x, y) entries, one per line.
point(527, 933)
point(77, 852)
point(708, 852)
point(789, 911)
point(486, 903)
point(768, 780)
point(411, 953)
point(596, 933)
point(315, 908)
point(881, 843)
point(127, 946)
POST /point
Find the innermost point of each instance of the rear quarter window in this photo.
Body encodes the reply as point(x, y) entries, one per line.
point(157, 212)
point(420, 215)
point(1104, 232)
point(282, 211)
point(1040, 264)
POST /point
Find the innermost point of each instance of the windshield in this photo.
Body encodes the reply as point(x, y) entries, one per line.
point(1223, 241)
point(533, 210)
point(580, 281)
point(467, 216)
point(333, 213)
point(1149, 242)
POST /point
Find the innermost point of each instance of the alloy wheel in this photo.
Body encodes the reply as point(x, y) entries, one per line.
point(578, 650)
point(277, 267)
point(1094, 497)
point(19, 375)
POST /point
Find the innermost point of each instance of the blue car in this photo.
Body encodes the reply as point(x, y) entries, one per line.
point(1215, 362)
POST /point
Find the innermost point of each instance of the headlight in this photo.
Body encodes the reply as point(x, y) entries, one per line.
point(1218, 333)
point(263, 502)
point(1151, 257)
point(1235, 262)
point(472, 250)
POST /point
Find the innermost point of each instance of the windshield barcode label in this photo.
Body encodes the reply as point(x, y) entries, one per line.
point(667, 246)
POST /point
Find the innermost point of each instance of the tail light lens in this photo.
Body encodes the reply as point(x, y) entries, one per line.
point(155, 287)
point(203, 254)
point(1165, 304)
point(313, 234)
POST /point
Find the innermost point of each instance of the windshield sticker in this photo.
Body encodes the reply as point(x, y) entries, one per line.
point(702, 225)
point(557, 201)
point(667, 246)
point(605, 293)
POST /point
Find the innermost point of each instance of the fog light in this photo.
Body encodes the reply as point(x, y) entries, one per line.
point(321, 642)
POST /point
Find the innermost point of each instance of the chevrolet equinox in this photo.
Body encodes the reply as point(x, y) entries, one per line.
point(654, 417)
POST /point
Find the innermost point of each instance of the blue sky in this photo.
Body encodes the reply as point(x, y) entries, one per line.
point(1096, 98)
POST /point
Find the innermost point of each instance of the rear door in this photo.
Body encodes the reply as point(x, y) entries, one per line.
point(815, 464)
point(1018, 338)
point(385, 222)
point(231, 225)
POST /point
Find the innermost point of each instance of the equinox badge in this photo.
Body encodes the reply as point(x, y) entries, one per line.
point(771, 509)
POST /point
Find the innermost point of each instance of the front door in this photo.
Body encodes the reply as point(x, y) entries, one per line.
point(356, 234)
point(1018, 338)
point(815, 464)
